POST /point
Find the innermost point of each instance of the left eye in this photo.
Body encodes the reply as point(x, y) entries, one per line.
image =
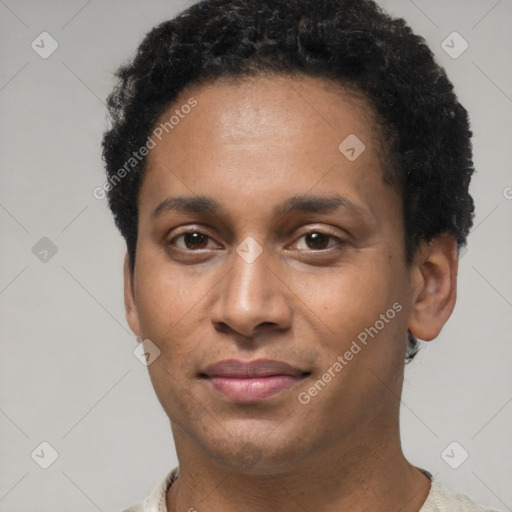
point(316, 240)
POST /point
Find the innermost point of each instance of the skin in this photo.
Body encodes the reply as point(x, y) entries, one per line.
point(250, 146)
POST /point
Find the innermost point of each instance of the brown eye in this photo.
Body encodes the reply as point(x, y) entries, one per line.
point(195, 240)
point(191, 240)
point(317, 241)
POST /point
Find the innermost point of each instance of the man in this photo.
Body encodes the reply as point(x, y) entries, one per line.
point(291, 179)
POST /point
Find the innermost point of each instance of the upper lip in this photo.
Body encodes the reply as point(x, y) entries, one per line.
point(235, 368)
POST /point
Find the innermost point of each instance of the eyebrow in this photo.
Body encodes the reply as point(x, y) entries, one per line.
point(298, 203)
point(196, 204)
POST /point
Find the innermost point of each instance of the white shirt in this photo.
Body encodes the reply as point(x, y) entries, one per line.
point(439, 499)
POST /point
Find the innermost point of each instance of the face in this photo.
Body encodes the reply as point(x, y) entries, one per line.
point(261, 239)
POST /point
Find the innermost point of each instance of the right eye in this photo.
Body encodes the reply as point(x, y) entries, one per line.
point(191, 241)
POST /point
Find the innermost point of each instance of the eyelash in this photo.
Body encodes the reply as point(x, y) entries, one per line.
point(339, 241)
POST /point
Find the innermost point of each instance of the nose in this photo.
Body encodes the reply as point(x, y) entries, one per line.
point(251, 298)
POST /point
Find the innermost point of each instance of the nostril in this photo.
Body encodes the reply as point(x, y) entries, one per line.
point(222, 327)
point(267, 324)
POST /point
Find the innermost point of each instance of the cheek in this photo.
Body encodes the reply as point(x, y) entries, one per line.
point(360, 313)
point(346, 300)
point(165, 298)
point(169, 314)
point(172, 392)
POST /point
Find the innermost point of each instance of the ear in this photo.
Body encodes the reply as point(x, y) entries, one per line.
point(434, 286)
point(129, 298)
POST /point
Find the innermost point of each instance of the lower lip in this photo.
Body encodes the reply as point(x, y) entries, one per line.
point(253, 389)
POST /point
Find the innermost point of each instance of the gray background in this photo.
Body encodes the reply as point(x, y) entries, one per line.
point(68, 373)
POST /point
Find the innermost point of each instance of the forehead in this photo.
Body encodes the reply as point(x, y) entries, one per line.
point(252, 107)
point(267, 135)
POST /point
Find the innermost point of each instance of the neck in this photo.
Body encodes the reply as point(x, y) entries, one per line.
point(367, 473)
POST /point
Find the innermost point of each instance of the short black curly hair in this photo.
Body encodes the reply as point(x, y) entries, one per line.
point(353, 42)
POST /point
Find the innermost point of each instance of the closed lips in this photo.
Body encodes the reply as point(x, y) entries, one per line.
point(251, 382)
point(233, 368)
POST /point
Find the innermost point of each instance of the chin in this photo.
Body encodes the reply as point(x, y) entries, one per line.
point(256, 452)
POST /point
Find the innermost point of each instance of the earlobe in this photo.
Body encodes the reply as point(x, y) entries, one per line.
point(129, 298)
point(434, 287)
